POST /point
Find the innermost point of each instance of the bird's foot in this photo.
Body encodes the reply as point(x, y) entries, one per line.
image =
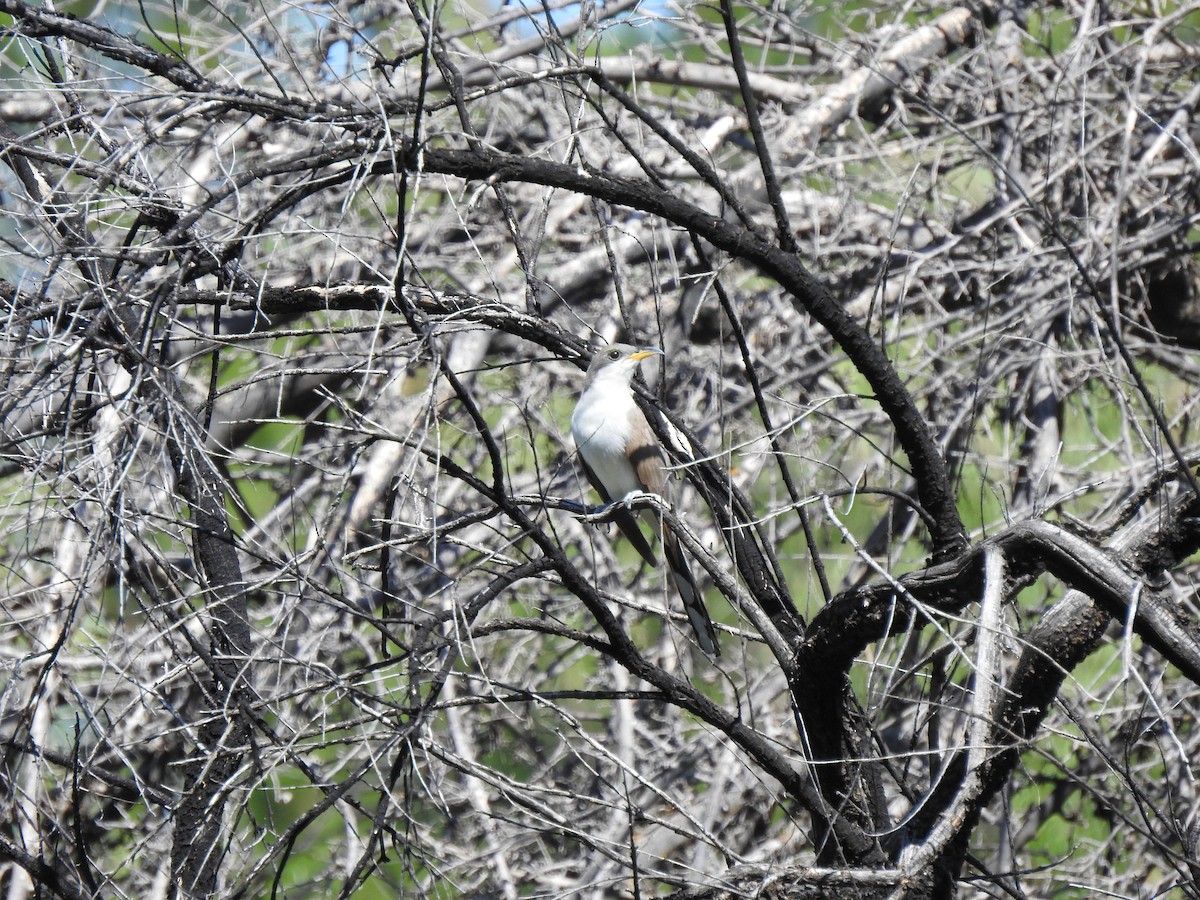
point(636, 499)
point(632, 501)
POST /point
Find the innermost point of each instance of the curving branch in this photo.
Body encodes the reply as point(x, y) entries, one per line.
point(1106, 586)
point(807, 293)
point(1122, 586)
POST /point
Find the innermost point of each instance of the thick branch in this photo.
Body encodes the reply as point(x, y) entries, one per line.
point(879, 76)
point(1106, 586)
point(859, 617)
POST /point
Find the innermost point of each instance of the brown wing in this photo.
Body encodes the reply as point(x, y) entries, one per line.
point(624, 518)
point(649, 464)
point(646, 455)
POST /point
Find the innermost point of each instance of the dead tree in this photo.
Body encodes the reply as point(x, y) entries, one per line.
point(306, 595)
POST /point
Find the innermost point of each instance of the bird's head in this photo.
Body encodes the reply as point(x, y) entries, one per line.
point(618, 362)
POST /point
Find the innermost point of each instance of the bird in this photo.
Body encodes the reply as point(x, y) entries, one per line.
point(620, 455)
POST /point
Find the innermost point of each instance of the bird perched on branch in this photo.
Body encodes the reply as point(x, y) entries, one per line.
point(621, 456)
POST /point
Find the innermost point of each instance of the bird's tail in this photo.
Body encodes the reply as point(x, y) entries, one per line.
point(689, 592)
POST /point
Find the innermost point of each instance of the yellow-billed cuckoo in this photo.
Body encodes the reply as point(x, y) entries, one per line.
point(621, 456)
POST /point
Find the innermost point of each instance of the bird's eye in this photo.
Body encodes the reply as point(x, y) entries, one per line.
point(614, 354)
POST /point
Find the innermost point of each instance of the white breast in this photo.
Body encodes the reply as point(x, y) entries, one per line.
point(600, 426)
